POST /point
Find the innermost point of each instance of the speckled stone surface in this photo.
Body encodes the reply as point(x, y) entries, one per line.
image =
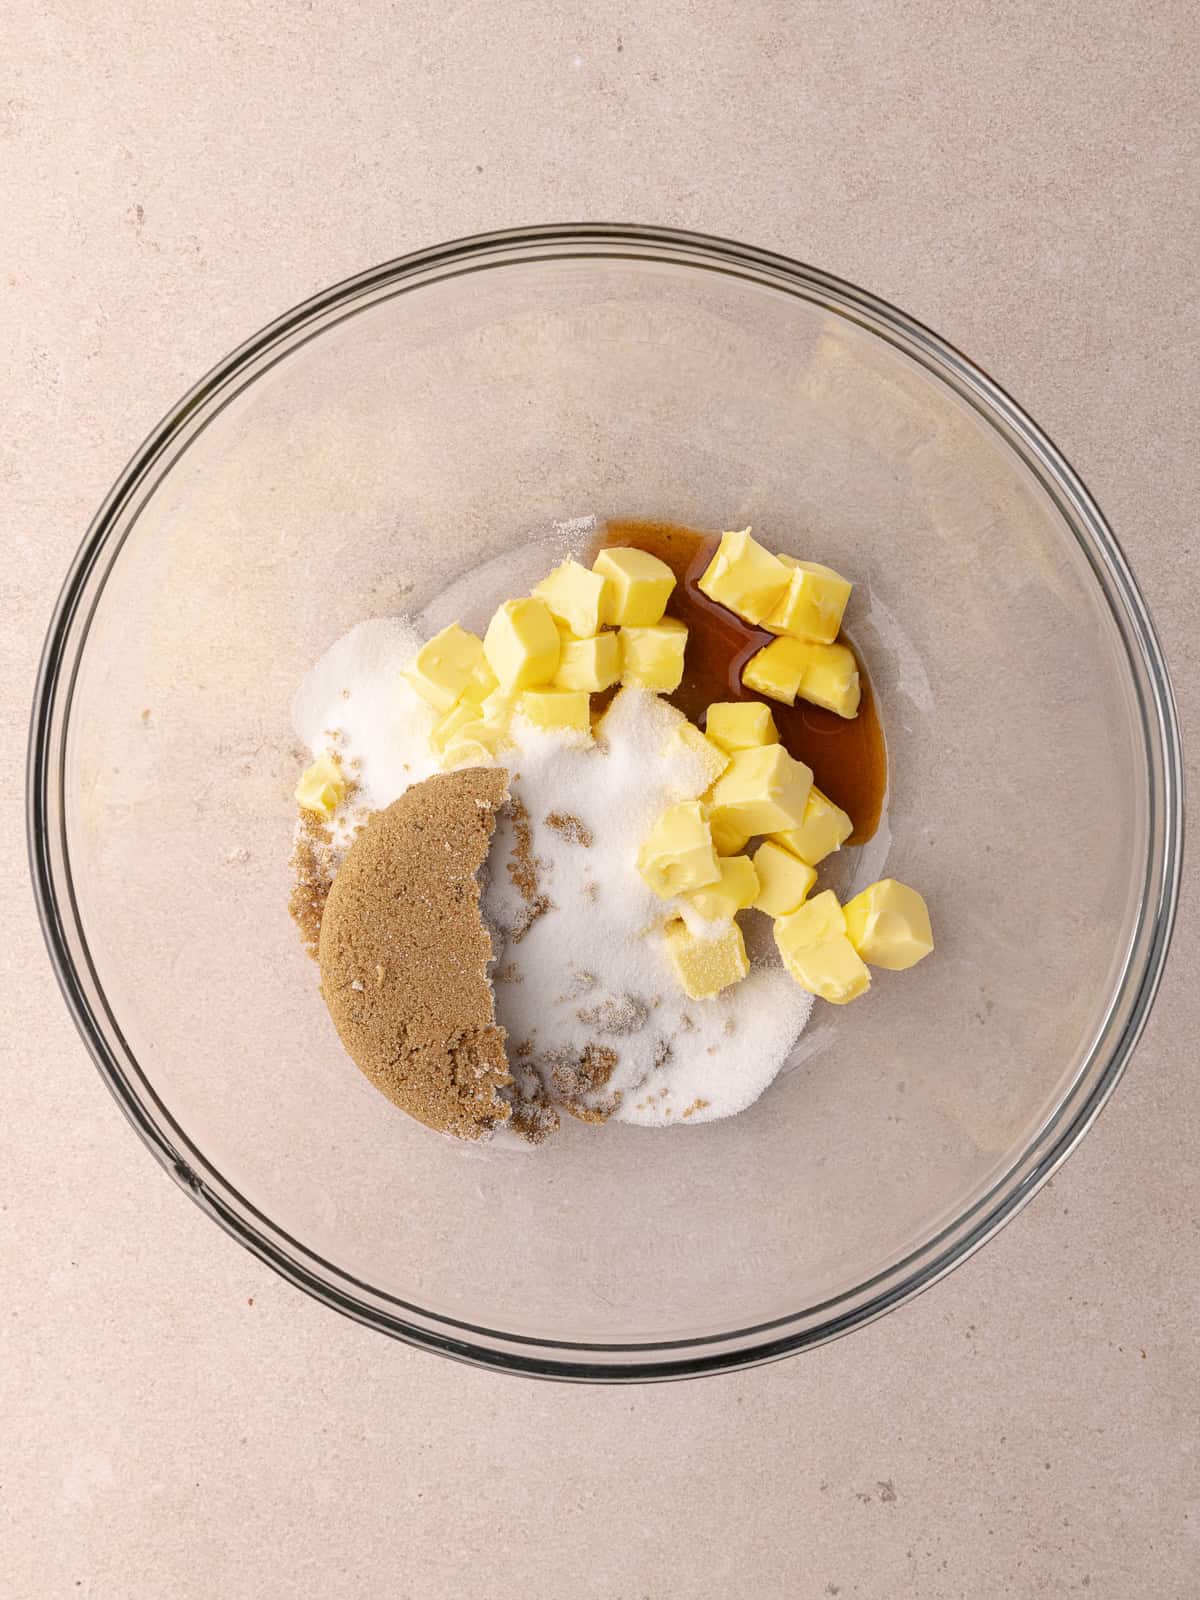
point(174, 1420)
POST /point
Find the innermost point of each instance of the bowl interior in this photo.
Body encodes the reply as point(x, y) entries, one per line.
point(383, 457)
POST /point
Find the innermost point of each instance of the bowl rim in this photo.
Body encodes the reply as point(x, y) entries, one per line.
point(1134, 989)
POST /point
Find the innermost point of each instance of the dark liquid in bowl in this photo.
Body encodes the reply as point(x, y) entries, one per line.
point(848, 757)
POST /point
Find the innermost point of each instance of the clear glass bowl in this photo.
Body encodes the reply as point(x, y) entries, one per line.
point(356, 459)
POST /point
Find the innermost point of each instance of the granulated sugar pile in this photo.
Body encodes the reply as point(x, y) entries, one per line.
point(592, 1009)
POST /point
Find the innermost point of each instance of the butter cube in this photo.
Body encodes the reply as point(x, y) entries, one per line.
point(322, 787)
point(825, 828)
point(777, 670)
point(831, 679)
point(705, 966)
point(686, 740)
point(745, 577)
point(888, 924)
point(678, 855)
point(467, 751)
point(496, 709)
point(591, 664)
point(817, 953)
point(735, 890)
point(740, 724)
point(763, 790)
point(652, 656)
point(637, 587)
point(783, 879)
point(442, 668)
point(557, 708)
point(728, 838)
point(457, 716)
point(813, 604)
point(574, 595)
point(481, 683)
point(522, 644)
point(825, 674)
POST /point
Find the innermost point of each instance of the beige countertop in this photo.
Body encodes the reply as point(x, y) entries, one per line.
point(175, 1420)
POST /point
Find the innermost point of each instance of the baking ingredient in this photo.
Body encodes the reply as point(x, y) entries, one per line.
point(573, 595)
point(590, 974)
point(522, 644)
point(356, 702)
point(637, 587)
point(825, 674)
point(740, 725)
point(591, 664)
point(322, 786)
point(888, 924)
point(404, 955)
point(706, 964)
point(714, 758)
point(444, 666)
point(763, 790)
point(677, 854)
point(728, 837)
point(735, 890)
point(745, 577)
point(784, 880)
point(813, 604)
point(847, 755)
point(652, 656)
point(824, 829)
point(817, 952)
point(556, 708)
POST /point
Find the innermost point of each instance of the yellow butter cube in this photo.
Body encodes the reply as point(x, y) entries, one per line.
point(678, 855)
point(574, 595)
point(817, 952)
point(591, 664)
point(825, 828)
point(464, 750)
point(763, 790)
point(735, 890)
point(777, 670)
point(888, 924)
point(705, 966)
point(783, 879)
point(322, 787)
point(686, 740)
point(744, 577)
point(522, 644)
point(740, 724)
point(815, 922)
point(652, 656)
point(455, 718)
point(728, 837)
point(813, 604)
point(637, 587)
point(557, 708)
point(442, 668)
point(481, 683)
point(824, 674)
point(831, 679)
point(496, 709)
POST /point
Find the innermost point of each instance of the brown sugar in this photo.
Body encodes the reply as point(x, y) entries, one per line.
point(404, 955)
point(313, 870)
point(569, 827)
point(523, 870)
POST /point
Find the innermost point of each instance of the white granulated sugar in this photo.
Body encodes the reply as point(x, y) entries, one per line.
point(355, 703)
point(590, 970)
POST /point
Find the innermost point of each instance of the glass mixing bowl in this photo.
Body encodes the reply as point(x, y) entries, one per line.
point(381, 442)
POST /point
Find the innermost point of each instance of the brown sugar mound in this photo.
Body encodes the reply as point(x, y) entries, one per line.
point(404, 954)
